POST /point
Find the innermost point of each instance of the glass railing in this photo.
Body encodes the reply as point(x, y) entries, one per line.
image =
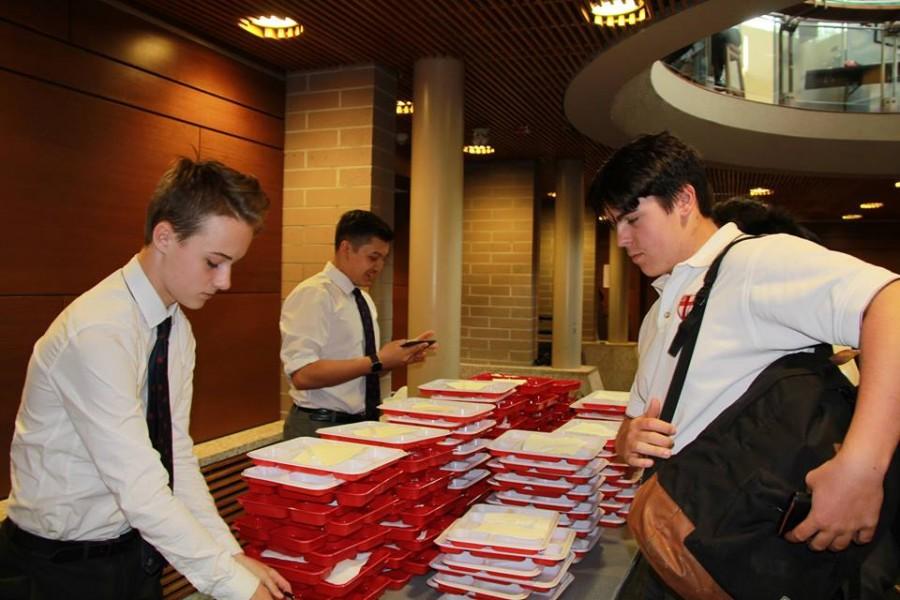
point(805, 63)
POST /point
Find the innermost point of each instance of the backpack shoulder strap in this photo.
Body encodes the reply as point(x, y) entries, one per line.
point(686, 337)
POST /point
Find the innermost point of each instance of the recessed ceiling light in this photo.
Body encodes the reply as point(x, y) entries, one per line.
point(761, 191)
point(871, 205)
point(612, 13)
point(897, 184)
point(851, 217)
point(271, 27)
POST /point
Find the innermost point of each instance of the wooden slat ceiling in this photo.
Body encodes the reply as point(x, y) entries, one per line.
point(519, 57)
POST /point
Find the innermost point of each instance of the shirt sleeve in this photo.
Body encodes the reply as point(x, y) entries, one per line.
point(304, 327)
point(97, 379)
point(817, 296)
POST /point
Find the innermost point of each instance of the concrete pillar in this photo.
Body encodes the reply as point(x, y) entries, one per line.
point(617, 329)
point(436, 214)
point(567, 264)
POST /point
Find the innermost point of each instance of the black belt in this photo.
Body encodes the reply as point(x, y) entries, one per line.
point(330, 416)
point(63, 551)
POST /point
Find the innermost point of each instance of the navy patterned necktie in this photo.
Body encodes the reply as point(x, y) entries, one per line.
point(159, 425)
point(373, 386)
point(159, 415)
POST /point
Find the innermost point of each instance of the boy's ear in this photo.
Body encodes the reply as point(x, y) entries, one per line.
point(686, 200)
point(163, 236)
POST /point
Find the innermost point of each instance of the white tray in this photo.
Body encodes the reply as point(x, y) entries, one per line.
point(384, 434)
point(437, 409)
point(557, 549)
point(467, 463)
point(471, 447)
point(604, 398)
point(464, 482)
point(591, 427)
point(294, 479)
point(312, 456)
point(528, 530)
point(547, 446)
point(495, 389)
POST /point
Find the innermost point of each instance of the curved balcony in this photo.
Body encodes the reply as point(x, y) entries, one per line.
point(764, 116)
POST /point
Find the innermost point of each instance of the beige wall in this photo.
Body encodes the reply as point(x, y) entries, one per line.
point(338, 156)
point(499, 303)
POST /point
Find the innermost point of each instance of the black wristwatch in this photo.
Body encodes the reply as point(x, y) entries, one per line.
point(376, 364)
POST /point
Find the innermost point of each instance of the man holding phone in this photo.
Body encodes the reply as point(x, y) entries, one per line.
point(329, 333)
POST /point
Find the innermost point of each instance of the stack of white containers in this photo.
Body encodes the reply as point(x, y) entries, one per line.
point(504, 553)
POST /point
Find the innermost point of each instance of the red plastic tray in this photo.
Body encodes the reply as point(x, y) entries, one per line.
point(309, 513)
point(371, 568)
point(422, 485)
point(267, 505)
point(359, 493)
point(254, 529)
point(296, 539)
point(335, 549)
point(349, 522)
point(295, 572)
point(426, 458)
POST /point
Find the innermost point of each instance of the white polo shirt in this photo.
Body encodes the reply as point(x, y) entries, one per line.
point(320, 320)
point(773, 296)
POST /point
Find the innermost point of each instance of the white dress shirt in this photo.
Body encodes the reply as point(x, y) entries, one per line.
point(320, 320)
point(82, 464)
point(773, 296)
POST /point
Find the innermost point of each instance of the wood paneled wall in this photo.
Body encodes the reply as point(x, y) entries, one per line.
point(96, 104)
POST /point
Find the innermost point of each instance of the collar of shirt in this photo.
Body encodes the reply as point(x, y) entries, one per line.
point(339, 278)
point(703, 257)
point(145, 295)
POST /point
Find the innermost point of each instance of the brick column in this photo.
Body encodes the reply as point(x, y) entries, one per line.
point(339, 156)
point(499, 303)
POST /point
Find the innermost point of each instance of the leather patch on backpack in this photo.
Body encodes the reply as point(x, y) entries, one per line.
point(660, 528)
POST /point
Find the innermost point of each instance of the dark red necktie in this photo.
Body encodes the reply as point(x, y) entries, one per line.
point(373, 386)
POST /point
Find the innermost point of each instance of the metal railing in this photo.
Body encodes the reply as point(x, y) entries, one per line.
point(804, 63)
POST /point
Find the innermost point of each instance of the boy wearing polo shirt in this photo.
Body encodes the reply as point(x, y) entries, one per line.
point(105, 485)
point(774, 296)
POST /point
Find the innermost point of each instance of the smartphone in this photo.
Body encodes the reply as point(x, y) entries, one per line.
point(411, 343)
point(796, 512)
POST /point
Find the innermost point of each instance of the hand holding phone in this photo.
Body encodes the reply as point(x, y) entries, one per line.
point(795, 513)
point(411, 343)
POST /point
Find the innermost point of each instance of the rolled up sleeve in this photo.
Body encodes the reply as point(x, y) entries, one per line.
point(304, 328)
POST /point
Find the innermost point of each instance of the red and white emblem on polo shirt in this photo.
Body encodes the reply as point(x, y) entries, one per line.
point(685, 305)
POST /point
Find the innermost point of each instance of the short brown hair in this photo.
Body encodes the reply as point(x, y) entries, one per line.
point(191, 190)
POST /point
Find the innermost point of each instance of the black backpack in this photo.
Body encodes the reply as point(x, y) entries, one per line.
point(707, 520)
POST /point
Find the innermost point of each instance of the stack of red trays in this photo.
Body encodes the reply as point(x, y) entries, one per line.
point(620, 484)
point(439, 478)
point(504, 553)
point(554, 471)
point(605, 405)
point(312, 512)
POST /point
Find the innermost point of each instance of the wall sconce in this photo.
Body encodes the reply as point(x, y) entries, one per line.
point(404, 107)
point(479, 143)
point(271, 27)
